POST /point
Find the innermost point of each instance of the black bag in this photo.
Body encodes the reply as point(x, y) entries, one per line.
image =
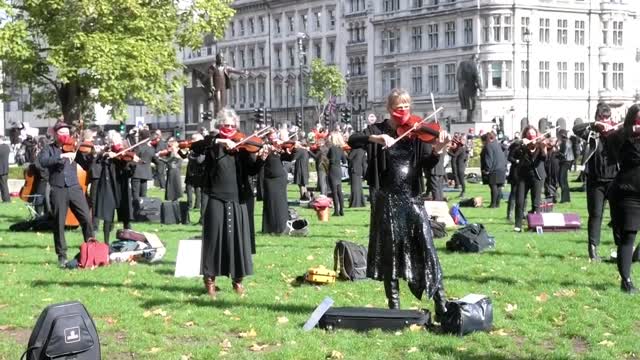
point(471, 238)
point(438, 229)
point(184, 213)
point(64, 332)
point(350, 260)
point(469, 314)
point(363, 319)
point(170, 213)
point(148, 209)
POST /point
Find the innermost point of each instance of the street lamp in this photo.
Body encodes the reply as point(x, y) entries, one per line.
point(301, 36)
point(347, 78)
point(527, 39)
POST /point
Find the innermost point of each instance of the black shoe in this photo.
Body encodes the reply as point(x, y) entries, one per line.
point(627, 286)
point(440, 305)
point(392, 291)
point(593, 253)
point(62, 261)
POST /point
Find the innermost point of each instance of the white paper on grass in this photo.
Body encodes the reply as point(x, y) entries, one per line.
point(553, 219)
point(188, 260)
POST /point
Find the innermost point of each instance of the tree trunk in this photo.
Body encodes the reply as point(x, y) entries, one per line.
point(70, 98)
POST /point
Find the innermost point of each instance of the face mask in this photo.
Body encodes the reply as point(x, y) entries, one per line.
point(400, 116)
point(227, 132)
point(531, 135)
point(63, 139)
point(637, 121)
point(116, 148)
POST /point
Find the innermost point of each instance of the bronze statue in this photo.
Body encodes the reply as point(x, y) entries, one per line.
point(216, 83)
point(469, 83)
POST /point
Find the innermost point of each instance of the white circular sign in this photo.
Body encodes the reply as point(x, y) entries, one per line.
point(371, 119)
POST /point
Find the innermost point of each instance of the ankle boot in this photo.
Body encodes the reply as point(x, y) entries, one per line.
point(636, 254)
point(627, 286)
point(440, 304)
point(237, 286)
point(392, 290)
point(210, 286)
point(593, 253)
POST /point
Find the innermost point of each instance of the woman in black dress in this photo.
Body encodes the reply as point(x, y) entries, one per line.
point(319, 154)
point(400, 238)
point(623, 145)
point(530, 155)
point(357, 170)
point(114, 189)
point(301, 172)
point(226, 235)
point(493, 166)
point(275, 209)
point(336, 157)
point(173, 163)
point(195, 172)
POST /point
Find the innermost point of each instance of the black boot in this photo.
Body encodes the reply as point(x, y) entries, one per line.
point(392, 290)
point(440, 304)
point(593, 253)
point(636, 254)
point(627, 286)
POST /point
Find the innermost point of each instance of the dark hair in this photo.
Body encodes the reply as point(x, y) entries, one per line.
point(602, 109)
point(526, 129)
point(630, 119)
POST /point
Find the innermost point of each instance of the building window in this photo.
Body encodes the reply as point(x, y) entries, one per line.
point(562, 75)
point(579, 32)
point(450, 77)
point(390, 80)
point(292, 59)
point(303, 22)
point(252, 62)
point(261, 54)
point(232, 56)
point(261, 24)
point(524, 27)
point(562, 31)
point(618, 76)
point(252, 93)
point(496, 28)
point(332, 52)
point(390, 5)
point(434, 85)
point(242, 59)
point(261, 92)
point(276, 25)
point(241, 24)
point(605, 32)
point(578, 78)
point(233, 29)
point(277, 53)
point(416, 37)
point(486, 29)
point(433, 36)
point(450, 33)
point(507, 28)
point(544, 30)
point(304, 54)
point(332, 19)
point(417, 4)
point(416, 80)
point(605, 75)
point(524, 76)
point(617, 33)
point(291, 22)
point(468, 31)
point(317, 50)
point(543, 79)
point(243, 94)
point(318, 20)
point(390, 41)
point(278, 94)
point(252, 27)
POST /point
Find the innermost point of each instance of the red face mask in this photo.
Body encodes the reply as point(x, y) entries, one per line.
point(116, 148)
point(531, 135)
point(63, 139)
point(227, 132)
point(400, 116)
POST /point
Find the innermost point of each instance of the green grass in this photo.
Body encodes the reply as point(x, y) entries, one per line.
point(565, 307)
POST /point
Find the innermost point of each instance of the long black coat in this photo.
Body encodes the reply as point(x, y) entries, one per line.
point(493, 164)
point(174, 180)
point(301, 167)
point(4, 159)
point(143, 169)
point(114, 190)
point(357, 170)
point(195, 169)
point(275, 211)
point(372, 174)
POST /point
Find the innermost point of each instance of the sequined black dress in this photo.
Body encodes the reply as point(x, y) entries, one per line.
point(400, 240)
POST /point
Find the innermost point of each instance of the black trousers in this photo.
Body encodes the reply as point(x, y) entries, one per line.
point(191, 191)
point(161, 173)
point(372, 196)
point(596, 196)
point(62, 199)
point(138, 189)
point(513, 192)
point(336, 194)
point(4, 188)
point(524, 186)
point(203, 206)
point(563, 179)
point(435, 186)
point(624, 240)
point(496, 194)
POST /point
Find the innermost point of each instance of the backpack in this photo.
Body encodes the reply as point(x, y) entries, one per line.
point(474, 202)
point(350, 260)
point(93, 254)
point(438, 229)
point(471, 238)
point(63, 332)
point(298, 227)
point(457, 216)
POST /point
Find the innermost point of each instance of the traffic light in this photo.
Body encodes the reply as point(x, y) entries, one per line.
point(177, 132)
point(206, 116)
point(258, 115)
point(327, 119)
point(346, 115)
point(299, 120)
point(123, 128)
point(267, 116)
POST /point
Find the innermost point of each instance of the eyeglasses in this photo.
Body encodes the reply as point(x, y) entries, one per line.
point(605, 116)
point(231, 126)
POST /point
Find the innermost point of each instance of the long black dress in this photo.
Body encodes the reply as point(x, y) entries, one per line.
point(226, 235)
point(336, 156)
point(400, 238)
point(275, 211)
point(357, 169)
point(174, 177)
point(530, 175)
point(114, 193)
point(494, 170)
point(322, 166)
point(301, 167)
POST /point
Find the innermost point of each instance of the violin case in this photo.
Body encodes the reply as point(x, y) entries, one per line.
point(148, 209)
point(554, 222)
point(364, 319)
point(472, 313)
point(170, 213)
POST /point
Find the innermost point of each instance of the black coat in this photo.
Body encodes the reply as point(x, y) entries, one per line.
point(598, 164)
point(336, 157)
point(275, 211)
point(4, 159)
point(357, 170)
point(195, 169)
point(530, 164)
point(301, 167)
point(143, 168)
point(493, 164)
point(50, 159)
point(356, 140)
point(114, 190)
point(174, 177)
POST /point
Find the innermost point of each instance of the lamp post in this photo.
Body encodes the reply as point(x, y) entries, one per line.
point(301, 36)
point(288, 82)
point(527, 40)
point(347, 78)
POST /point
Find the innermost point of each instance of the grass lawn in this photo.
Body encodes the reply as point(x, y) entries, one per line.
point(549, 301)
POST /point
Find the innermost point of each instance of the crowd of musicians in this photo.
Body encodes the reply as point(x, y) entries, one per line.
point(227, 170)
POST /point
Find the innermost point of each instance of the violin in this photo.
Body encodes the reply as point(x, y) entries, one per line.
point(251, 144)
point(186, 144)
point(601, 127)
point(86, 147)
point(121, 155)
point(346, 148)
point(69, 146)
point(427, 132)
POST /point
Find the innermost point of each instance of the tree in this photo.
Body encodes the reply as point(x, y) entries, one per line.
point(75, 53)
point(325, 82)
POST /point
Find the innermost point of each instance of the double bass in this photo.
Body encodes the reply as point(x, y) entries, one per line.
point(85, 147)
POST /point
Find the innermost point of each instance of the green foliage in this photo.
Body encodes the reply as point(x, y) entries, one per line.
point(325, 81)
point(123, 49)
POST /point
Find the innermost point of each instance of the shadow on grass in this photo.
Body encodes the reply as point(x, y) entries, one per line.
point(189, 288)
point(470, 355)
point(23, 246)
point(224, 304)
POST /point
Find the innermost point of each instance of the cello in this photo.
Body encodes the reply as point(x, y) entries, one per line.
point(85, 148)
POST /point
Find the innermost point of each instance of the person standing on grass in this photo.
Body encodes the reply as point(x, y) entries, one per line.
point(173, 166)
point(66, 192)
point(566, 156)
point(493, 167)
point(400, 237)
point(5, 149)
point(226, 234)
point(599, 169)
point(275, 208)
point(142, 172)
point(623, 148)
point(357, 170)
point(336, 157)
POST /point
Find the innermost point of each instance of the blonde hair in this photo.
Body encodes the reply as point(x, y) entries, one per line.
point(397, 96)
point(114, 137)
point(225, 114)
point(336, 139)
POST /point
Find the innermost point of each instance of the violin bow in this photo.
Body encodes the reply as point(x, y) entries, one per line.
point(537, 138)
point(433, 104)
point(259, 133)
point(414, 127)
point(133, 146)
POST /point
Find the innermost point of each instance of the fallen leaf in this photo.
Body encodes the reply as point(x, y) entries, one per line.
point(153, 350)
point(412, 350)
point(416, 327)
point(511, 308)
point(606, 343)
point(186, 357)
point(565, 293)
point(189, 324)
point(542, 297)
point(560, 320)
point(249, 334)
point(397, 333)
point(131, 273)
point(127, 281)
point(227, 312)
point(110, 320)
point(2, 306)
point(222, 353)
point(499, 332)
point(257, 348)
point(310, 257)
point(282, 320)
point(47, 299)
point(160, 312)
point(225, 344)
point(235, 318)
point(461, 348)
point(136, 293)
point(146, 314)
point(335, 355)
point(5, 327)
point(607, 334)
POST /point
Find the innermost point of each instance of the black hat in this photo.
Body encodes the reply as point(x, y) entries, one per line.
point(60, 125)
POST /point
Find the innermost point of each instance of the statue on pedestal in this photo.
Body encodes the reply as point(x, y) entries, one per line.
point(216, 83)
point(469, 82)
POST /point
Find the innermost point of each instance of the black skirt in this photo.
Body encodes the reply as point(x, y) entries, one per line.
point(226, 240)
point(356, 199)
point(624, 208)
point(275, 207)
